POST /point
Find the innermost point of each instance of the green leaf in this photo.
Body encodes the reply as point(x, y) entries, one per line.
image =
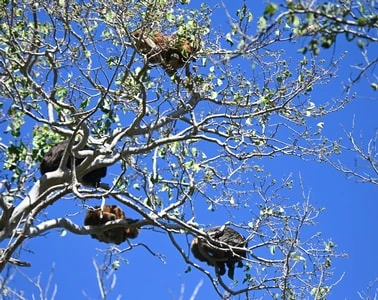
point(271, 9)
point(302, 50)
point(213, 95)
point(229, 39)
point(261, 24)
point(361, 21)
point(297, 257)
point(61, 92)
point(360, 44)
point(174, 147)
point(116, 264)
point(84, 103)
point(327, 41)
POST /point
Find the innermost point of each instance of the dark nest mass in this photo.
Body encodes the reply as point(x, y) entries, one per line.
point(51, 161)
point(118, 235)
point(170, 52)
point(220, 252)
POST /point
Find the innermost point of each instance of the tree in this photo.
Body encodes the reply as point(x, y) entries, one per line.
point(181, 146)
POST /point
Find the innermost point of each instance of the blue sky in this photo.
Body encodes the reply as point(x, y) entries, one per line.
point(350, 220)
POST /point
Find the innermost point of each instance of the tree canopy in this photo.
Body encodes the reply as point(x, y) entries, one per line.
point(183, 110)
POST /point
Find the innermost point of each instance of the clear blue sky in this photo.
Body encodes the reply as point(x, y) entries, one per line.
point(350, 219)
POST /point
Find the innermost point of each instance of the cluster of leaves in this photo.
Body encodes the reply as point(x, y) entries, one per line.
point(324, 22)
